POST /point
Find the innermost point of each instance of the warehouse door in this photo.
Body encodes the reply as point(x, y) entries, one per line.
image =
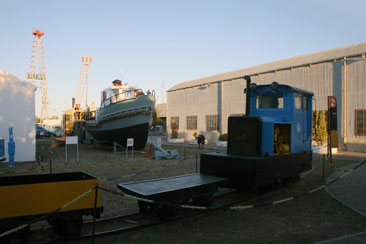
point(174, 125)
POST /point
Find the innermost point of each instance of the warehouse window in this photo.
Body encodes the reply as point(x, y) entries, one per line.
point(212, 122)
point(360, 122)
point(191, 122)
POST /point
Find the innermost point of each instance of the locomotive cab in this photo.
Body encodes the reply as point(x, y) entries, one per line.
point(269, 144)
point(279, 122)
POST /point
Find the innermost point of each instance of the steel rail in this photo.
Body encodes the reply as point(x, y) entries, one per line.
point(156, 222)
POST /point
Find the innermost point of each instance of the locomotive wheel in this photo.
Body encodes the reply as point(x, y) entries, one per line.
point(67, 225)
point(17, 237)
point(291, 180)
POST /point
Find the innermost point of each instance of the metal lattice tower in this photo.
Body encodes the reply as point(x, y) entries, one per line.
point(81, 100)
point(38, 70)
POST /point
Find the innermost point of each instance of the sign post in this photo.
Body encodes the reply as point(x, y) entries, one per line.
point(332, 113)
point(72, 140)
point(129, 144)
point(332, 124)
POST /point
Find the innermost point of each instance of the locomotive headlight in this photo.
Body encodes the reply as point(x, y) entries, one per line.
point(274, 85)
point(253, 87)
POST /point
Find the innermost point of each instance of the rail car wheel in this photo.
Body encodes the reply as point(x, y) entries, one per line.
point(17, 237)
point(67, 225)
point(145, 207)
point(166, 212)
point(206, 201)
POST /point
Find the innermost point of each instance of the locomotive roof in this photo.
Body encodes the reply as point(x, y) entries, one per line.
point(288, 88)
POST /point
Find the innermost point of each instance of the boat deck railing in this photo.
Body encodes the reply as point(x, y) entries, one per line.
point(124, 114)
point(123, 96)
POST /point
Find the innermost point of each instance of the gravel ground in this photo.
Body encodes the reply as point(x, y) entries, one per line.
point(311, 218)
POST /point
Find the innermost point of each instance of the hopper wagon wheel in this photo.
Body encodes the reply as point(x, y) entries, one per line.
point(17, 237)
point(67, 225)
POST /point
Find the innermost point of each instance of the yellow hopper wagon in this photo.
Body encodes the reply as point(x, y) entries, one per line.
point(63, 199)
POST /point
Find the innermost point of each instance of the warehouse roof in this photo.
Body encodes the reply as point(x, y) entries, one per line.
point(313, 58)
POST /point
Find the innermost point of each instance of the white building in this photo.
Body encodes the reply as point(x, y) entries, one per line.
point(17, 110)
point(204, 105)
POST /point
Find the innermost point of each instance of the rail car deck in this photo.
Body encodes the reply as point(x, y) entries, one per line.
point(174, 189)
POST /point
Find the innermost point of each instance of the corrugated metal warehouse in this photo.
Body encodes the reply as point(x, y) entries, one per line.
point(204, 105)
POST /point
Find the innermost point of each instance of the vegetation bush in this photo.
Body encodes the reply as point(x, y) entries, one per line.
point(320, 134)
point(223, 137)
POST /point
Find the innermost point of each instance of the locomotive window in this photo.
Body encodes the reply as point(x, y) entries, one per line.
point(306, 102)
point(270, 100)
point(298, 101)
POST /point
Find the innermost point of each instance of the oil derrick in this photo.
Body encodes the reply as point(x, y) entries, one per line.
point(81, 101)
point(38, 71)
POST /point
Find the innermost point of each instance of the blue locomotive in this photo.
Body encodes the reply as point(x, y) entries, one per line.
point(272, 142)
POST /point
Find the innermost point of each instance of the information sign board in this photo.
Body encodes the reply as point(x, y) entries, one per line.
point(71, 140)
point(130, 142)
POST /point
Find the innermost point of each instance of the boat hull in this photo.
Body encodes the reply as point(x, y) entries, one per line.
point(120, 121)
point(120, 135)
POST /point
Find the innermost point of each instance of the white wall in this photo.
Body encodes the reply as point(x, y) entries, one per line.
point(17, 110)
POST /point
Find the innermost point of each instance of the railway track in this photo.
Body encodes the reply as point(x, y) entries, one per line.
point(47, 235)
point(137, 221)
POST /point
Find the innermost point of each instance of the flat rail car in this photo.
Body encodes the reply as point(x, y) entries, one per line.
point(28, 197)
point(197, 188)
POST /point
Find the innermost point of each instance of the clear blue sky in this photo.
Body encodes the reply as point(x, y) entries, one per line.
point(174, 41)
